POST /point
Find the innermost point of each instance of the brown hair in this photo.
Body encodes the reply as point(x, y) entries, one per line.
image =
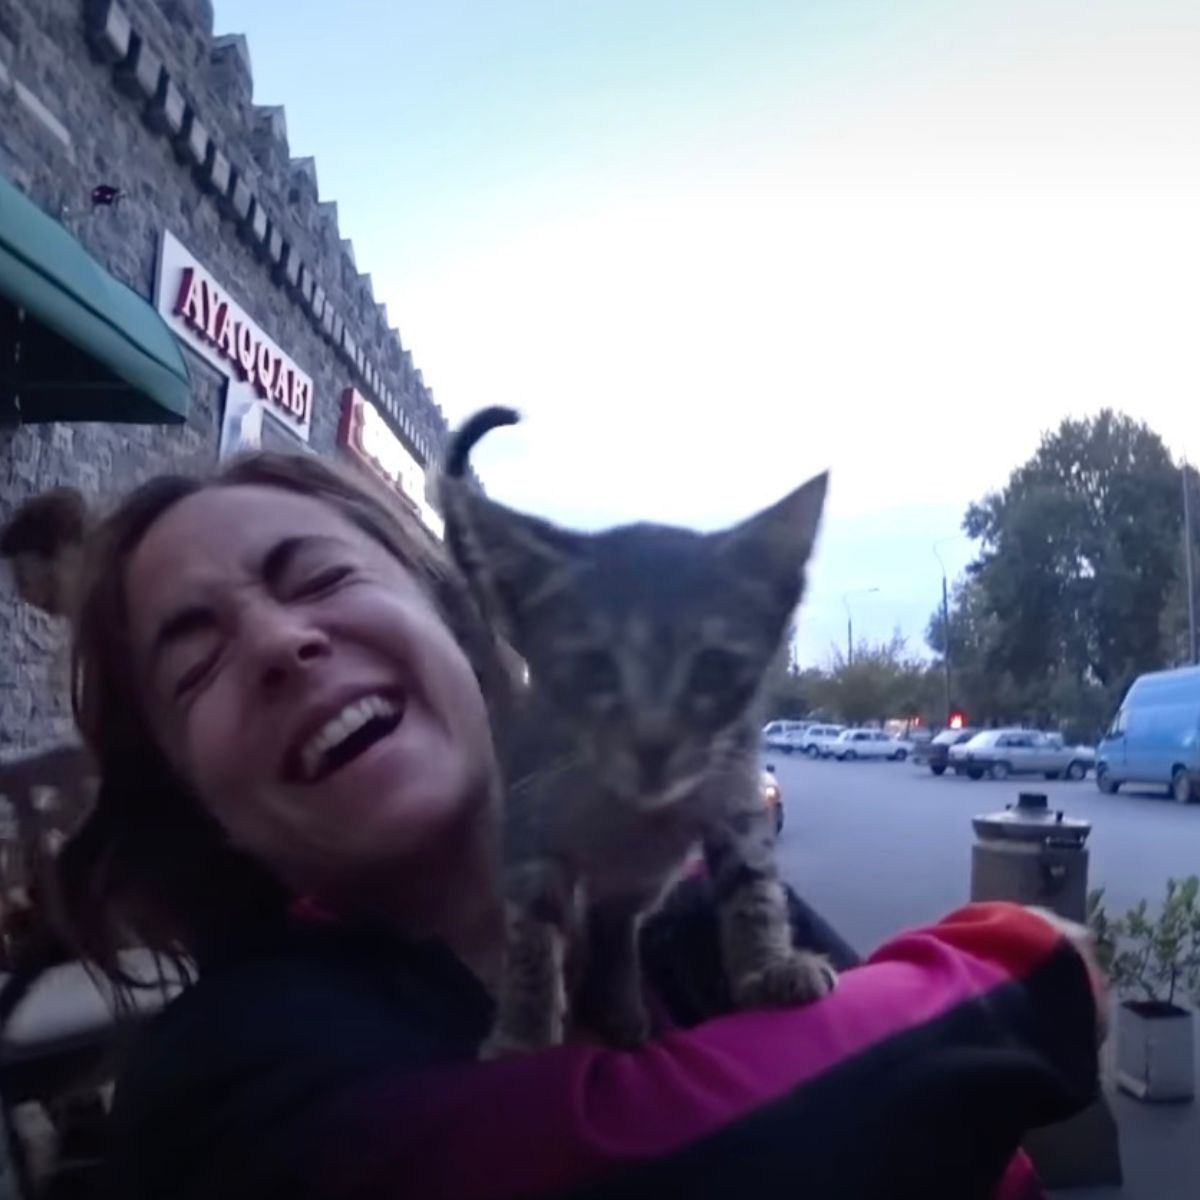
point(149, 865)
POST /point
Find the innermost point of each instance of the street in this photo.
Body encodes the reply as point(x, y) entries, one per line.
point(881, 846)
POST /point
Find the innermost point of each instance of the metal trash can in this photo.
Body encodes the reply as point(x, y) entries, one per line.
point(1032, 854)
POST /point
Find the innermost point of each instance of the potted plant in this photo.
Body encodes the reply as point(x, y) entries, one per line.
point(1154, 965)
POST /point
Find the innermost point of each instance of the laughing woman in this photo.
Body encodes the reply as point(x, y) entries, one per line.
point(290, 698)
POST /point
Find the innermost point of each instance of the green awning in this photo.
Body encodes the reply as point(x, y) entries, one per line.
point(75, 343)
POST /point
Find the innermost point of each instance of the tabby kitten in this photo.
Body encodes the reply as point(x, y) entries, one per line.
point(636, 741)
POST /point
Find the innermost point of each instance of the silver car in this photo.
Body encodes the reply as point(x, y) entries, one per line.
point(1003, 752)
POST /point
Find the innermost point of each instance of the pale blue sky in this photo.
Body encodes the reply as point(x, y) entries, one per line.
point(710, 248)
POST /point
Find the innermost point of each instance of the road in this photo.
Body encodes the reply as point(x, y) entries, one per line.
point(879, 847)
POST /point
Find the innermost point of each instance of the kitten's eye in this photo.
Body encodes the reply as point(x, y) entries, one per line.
point(714, 672)
point(596, 674)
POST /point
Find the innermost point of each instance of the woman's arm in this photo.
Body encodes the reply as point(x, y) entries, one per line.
point(918, 1076)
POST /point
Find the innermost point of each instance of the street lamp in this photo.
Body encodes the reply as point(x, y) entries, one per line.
point(850, 620)
point(945, 621)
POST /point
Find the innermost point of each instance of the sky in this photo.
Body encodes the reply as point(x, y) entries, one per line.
point(709, 249)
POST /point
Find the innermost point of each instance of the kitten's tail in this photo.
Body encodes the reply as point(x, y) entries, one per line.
point(464, 439)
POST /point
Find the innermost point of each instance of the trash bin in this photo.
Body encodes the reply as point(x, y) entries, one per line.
point(1032, 854)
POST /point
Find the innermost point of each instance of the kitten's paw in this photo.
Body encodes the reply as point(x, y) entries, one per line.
point(799, 978)
point(502, 1047)
point(521, 1037)
point(505, 1045)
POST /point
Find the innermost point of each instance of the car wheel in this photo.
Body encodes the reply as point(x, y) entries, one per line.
point(937, 768)
point(1077, 771)
point(974, 772)
point(812, 751)
point(900, 755)
point(1105, 782)
point(1181, 786)
point(849, 756)
point(999, 770)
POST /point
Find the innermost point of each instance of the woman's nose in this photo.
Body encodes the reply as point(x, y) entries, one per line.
point(283, 643)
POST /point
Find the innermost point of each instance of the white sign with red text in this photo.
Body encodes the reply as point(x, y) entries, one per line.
point(365, 434)
point(261, 377)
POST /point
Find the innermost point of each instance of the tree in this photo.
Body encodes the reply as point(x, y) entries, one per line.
point(788, 692)
point(1068, 600)
point(1080, 550)
point(883, 681)
point(1174, 622)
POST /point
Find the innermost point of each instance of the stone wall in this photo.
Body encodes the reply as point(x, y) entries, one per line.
point(141, 96)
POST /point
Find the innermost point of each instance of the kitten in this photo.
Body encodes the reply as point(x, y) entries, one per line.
point(646, 647)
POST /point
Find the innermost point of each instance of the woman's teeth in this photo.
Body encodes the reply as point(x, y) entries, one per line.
point(344, 725)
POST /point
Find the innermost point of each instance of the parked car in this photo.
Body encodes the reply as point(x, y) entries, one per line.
point(1003, 752)
point(785, 736)
point(772, 795)
point(868, 743)
point(936, 753)
point(1155, 736)
point(817, 741)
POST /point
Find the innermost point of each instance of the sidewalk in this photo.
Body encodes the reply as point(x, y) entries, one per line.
point(1160, 1150)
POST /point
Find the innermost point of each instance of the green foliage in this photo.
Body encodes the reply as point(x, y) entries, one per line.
point(883, 681)
point(1076, 590)
point(1147, 957)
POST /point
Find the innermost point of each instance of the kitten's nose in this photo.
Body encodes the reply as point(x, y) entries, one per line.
point(652, 757)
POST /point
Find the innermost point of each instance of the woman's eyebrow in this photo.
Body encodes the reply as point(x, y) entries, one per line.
point(276, 561)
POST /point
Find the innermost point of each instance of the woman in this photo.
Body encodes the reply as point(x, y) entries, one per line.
point(291, 700)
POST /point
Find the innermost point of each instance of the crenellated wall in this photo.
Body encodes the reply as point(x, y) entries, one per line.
point(144, 97)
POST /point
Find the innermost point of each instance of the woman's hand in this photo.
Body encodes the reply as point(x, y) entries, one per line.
point(1081, 938)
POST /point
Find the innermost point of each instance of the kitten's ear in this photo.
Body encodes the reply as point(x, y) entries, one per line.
point(779, 540)
point(513, 561)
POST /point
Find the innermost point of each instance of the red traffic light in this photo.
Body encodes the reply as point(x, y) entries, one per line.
point(958, 720)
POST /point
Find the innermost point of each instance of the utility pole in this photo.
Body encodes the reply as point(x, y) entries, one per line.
point(945, 628)
point(1189, 567)
point(850, 621)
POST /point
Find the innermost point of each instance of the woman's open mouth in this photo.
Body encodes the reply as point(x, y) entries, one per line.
point(346, 735)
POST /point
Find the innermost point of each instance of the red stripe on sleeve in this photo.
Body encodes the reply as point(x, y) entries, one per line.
point(1020, 1181)
point(1007, 935)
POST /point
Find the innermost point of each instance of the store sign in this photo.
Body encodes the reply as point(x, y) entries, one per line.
point(365, 434)
point(203, 314)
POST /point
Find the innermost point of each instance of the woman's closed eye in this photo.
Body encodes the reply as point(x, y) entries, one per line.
point(318, 581)
point(195, 673)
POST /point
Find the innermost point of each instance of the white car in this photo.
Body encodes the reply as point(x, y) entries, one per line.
point(818, 741)
point(784, 735)
point(1003, 752)
point(868, 743)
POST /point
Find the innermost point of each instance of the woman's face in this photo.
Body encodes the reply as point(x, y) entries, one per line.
point(303, 684)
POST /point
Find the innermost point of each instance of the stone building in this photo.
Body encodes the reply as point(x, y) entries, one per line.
point(132, 129)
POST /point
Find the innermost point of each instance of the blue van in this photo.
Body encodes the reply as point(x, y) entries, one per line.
point(1155, 736)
